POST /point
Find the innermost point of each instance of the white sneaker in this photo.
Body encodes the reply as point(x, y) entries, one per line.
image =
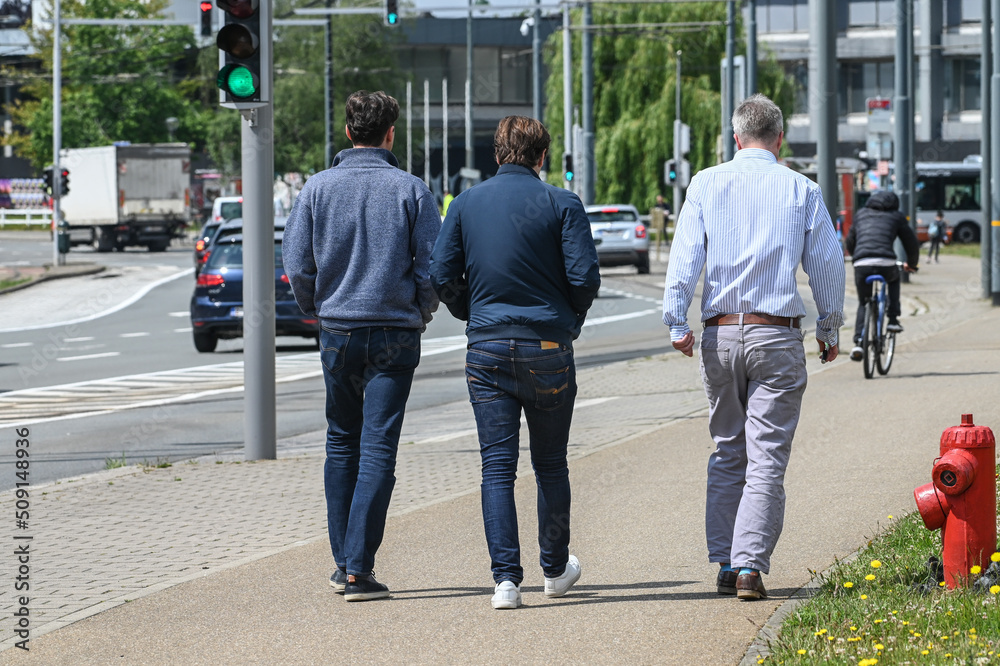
point(558, 586)
point(507, 595)
point(857, 353)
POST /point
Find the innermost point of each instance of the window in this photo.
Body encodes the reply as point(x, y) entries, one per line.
point(962, 87)
point(861, 80)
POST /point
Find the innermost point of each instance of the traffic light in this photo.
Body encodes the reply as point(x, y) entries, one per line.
point(48, 179)
point(63, 182)
point(568, 166)
point(670, 174)
point(392, 12)
point(206, 18)
point(244, 56)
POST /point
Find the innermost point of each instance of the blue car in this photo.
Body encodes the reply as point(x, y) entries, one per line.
point(217, 303)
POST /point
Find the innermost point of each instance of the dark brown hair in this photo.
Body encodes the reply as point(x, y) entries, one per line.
point(369, 117)
point(520, 140)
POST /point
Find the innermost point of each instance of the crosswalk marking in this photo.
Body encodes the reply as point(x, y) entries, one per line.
point(88, 356)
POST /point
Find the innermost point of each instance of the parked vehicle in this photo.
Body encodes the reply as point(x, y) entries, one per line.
point(217, 302)
point(219, 231)
point(205, 237)
point(128, 195)
point(620, 236)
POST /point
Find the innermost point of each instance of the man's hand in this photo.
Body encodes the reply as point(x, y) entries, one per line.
point(827, 353)
point(909, 269)
point(685, 345)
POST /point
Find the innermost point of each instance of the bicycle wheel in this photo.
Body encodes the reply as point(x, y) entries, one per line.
point(869, 342)
point(886, 340)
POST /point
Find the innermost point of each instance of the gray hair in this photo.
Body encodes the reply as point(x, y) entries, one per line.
point(758, 120)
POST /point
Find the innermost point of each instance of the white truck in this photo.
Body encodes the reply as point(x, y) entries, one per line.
point(127, 195)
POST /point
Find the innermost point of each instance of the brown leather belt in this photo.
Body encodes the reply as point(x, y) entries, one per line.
point(752, 318)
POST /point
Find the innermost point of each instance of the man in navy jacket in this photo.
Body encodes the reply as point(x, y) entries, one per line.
point(516, 260)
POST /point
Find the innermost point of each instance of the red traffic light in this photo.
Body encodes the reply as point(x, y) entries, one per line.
point(238, 8)
point(205, 6)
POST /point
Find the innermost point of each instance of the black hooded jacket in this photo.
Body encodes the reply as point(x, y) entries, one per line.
point(876, 227)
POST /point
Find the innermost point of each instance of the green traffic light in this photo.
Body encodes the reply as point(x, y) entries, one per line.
point(569, 175)
point(238, 80)
point(393, 18)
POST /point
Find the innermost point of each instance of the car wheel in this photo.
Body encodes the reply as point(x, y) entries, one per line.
point(643, 264)
point(205, 341)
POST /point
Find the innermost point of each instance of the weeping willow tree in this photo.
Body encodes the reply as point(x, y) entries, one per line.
point(635, 90)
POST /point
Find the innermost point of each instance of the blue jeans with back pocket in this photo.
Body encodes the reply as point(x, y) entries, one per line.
point(368, 374)
point(506, 377)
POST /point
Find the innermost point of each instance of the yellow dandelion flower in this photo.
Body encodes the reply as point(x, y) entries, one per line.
point(878, 620)
point(941, 584)
point(975, 569)
point(972, 631)
point(870, 577)
point(876, 564)
point(905, 623)
point(925, 652)
point(853, 628)
point(947, 654)
point(864, 596)
point(890, 516)
point(894, 612)
point(944, 638)
point(848, 584)
point(802, 651)
point(917, 634)
point(879, 646)
point(994, 589)
point(830, 638)
point(995, 557)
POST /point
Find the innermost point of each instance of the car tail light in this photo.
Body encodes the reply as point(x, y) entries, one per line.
point(203, 259)
point(210, 280)
point(284, 278)
point(310, 321)
point(609, 210)
point(640, 231)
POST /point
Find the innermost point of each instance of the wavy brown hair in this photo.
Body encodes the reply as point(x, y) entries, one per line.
point(520, 140)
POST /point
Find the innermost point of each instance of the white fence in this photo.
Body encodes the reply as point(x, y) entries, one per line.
point(32, 217)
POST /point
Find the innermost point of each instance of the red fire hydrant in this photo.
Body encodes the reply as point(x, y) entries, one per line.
point(962, 499)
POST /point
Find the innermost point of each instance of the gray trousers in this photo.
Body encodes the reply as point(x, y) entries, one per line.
point(755, 376)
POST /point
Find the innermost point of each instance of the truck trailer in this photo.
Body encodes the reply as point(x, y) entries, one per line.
point(127, 195)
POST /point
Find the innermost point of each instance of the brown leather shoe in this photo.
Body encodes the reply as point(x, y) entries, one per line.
point(726, 582)
point(749, 586)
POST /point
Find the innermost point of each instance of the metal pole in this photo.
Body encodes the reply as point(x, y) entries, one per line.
point(987, 196)
point(825, 39)
point(588, 106)
point(427, 133)
point(729, 104)
point(328, 92)
point(409, 127)
point(58, 259)
point(470, 151)
point(536, 62)
point(902, 109)
point(990, 238)
point(751, 47)
point(260, 431)
point(444, 135)
point(567, 45)
point(911, 92)
point(677, 146)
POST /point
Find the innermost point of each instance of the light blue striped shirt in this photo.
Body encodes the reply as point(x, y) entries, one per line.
point(752, 221)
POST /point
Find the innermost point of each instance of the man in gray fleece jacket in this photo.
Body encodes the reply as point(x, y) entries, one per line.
point(356, 251)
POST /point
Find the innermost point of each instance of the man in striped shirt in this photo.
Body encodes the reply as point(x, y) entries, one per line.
point(750, 223)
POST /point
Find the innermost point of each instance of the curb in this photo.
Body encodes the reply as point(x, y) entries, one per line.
point(50, 275)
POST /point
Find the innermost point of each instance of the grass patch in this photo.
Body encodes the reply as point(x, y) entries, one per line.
point(6, 284)
point(961, 250)
point(885, 607)
point(115, 463)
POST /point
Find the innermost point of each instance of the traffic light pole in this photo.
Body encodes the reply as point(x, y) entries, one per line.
point(58, 259)
point(677, 144)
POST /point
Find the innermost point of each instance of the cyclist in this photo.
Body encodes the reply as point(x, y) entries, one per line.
point(870, 244)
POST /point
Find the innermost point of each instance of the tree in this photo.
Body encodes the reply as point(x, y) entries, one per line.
point(119, 83)
point(634, 94)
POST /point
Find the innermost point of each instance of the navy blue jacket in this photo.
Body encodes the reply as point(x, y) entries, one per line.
point(516, 259)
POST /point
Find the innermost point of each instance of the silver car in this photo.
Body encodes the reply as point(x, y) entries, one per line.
point(620, 236)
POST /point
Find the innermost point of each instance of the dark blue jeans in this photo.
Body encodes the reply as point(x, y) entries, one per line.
point(368, 373)
point(504, 377)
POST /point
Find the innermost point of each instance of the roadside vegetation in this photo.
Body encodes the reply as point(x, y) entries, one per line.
point(973, 250)
point(888, 606)
point(7, 284)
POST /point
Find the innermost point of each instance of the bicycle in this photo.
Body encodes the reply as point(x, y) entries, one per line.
point(878, 344)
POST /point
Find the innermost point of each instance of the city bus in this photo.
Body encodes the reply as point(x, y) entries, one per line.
point(954, 188)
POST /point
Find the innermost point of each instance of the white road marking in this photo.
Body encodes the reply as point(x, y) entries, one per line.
point(133, 335)
point(621, 317)
point(185, 313)
point(121, 306)
point(85, 338)
point(17, 344)
point(88, 356)
point(183, 330)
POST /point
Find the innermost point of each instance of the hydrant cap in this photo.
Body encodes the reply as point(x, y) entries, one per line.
point(967, 436)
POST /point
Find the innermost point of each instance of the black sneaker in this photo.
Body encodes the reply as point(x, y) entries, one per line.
point(894, 326)
point(338, 580)
point(725, 583)
point(365, 588)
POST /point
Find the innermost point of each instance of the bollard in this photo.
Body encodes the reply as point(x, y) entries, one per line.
point(961, 499)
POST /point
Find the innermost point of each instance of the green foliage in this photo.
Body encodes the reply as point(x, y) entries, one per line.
point(119, 83)
point(635, 90)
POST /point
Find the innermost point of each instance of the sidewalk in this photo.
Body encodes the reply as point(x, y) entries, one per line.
point(237, 557)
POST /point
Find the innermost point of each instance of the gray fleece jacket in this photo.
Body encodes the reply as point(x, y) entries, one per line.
point(357, 244)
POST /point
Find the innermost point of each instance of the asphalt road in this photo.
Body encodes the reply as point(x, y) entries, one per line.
point(147, 348)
